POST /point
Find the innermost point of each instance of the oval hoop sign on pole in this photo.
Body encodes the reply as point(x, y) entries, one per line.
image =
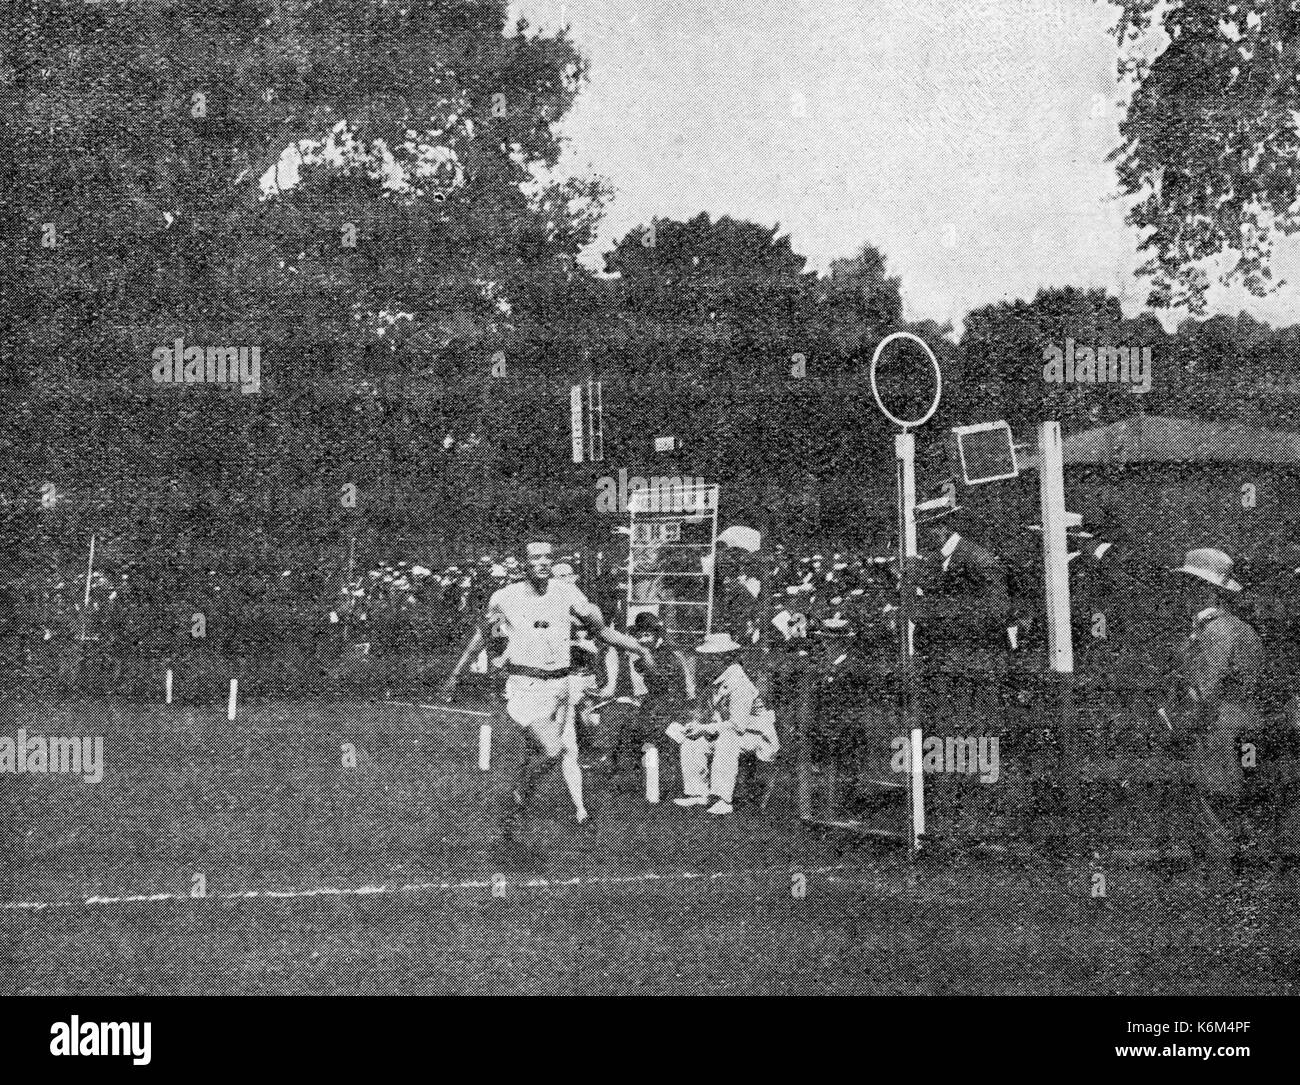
point(907, 424)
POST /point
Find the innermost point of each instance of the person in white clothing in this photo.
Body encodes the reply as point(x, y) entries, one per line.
point(535, 616)
point(738, 722)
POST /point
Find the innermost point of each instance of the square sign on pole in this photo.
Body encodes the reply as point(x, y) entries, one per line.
point(987, 452)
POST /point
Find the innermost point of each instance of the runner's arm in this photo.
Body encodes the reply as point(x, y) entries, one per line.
point(591, 617)
point(475, 645)
point(687, 673)
point(611, 673)
point(476, 642)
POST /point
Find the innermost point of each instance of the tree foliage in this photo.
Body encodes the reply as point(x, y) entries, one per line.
point(1209, 144)
point(360, 188)
point(1224, 369)
point(363, 171)
point(202, 166)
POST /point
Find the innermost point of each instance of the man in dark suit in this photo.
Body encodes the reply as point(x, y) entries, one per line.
point(962, 612)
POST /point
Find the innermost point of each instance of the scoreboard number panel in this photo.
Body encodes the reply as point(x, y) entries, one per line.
point(672, 547)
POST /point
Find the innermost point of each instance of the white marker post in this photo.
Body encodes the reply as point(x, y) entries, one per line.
point(484, 746)
point(167, 684)
point(650, 759)
point(905, 454)
point(85, 600)
point(234, 697)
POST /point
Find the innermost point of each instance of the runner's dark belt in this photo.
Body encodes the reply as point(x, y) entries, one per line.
point(536, 672)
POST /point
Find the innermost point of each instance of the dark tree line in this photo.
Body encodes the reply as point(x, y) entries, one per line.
point(415, 289)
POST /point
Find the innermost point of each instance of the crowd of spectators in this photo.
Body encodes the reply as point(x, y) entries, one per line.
point(794, 601)
point(410, 599)
point(391, 614)
point(293, 626)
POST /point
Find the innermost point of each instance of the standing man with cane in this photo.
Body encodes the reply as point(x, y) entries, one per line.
point(1222, 662)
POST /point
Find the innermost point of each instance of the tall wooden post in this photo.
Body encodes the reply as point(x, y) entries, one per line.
point(1056, 579)
point(905, 451)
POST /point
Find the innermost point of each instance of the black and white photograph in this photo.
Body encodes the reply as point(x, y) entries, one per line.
point(650, 498)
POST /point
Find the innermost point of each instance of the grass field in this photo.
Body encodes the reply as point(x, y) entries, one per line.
point(321, 878)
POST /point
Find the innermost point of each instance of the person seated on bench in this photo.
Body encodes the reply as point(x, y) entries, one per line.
point(635, 705)
point(738, 722)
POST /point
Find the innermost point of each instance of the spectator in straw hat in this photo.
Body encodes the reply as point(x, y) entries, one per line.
point(1222, 661)
point(739, 722)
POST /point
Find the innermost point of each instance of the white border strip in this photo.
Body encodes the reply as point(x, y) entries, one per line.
point(418, 887)
point(441, 708)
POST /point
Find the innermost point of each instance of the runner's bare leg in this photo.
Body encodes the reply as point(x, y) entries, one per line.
point(573, 779)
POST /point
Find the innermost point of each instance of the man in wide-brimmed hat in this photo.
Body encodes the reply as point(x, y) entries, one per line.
point(1222, 661)
point(738, 722)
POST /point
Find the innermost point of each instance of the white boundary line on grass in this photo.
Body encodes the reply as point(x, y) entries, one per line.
point(442, 708)
point(905, 890)
point(417, 887)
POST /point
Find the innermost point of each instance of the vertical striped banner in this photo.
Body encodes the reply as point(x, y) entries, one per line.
point(575, 421)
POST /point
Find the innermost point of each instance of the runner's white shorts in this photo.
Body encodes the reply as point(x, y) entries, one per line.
point(541, 705)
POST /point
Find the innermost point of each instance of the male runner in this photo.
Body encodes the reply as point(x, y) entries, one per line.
point(536, 617)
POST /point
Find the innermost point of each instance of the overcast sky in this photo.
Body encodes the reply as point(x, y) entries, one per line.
point(966, 139)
